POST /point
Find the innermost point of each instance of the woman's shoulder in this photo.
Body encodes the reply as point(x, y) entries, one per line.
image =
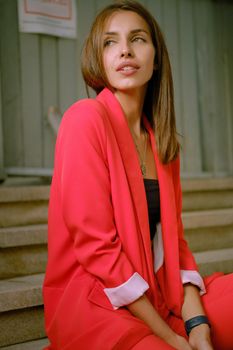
point(86, 119)
point(85, 112)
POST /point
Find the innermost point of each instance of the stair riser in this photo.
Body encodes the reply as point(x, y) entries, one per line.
point(209, 238)
point(31, 345)
point(23, 213)
point(28, 324)
point(26, 321)
point(207, 200)
point(28, 260)
point(23, 236)
point(21, 261)
point(21, 325)
point(216, 266)
point(29, 213)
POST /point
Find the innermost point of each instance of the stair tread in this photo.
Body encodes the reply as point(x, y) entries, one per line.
point(23, 235)
point(208, 218)
point(37, 234)
point(209, 184)
point(21, 292)
point(41, 192)
point(31, 345)
point(24, 193)
point(214, 255)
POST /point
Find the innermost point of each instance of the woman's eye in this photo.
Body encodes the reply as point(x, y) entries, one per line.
point(108, 42)
point(138, 39)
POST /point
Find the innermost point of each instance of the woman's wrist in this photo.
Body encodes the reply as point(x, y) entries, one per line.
point(200, 337)
point(192, 305)
point(196, 321)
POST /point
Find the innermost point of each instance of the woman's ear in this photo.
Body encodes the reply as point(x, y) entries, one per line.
point(155, 66)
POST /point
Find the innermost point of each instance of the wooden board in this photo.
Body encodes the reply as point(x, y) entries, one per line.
point(38, 71)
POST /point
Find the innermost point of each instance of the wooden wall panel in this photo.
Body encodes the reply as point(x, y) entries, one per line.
point(228, 81)
point(31, 99)
point(221, 149)
point(49, 94)
point(84, 24)
point(155, 7)
point(206, 79)
point(39, 71)
point(10, 84)
point(191, 127)
point(172, 37)
point(100, 4)
point(2, 170)
point(67, 72)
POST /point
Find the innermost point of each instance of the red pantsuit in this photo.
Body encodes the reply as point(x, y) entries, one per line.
point(99, 250)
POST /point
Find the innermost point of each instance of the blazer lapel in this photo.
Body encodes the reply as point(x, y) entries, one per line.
point(167, 195)
point(168, 218)
point(131, 164)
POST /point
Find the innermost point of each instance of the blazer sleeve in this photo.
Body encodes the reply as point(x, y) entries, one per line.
point(85, 187)
point(188, 267)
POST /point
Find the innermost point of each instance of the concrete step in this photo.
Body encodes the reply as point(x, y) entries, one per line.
point(21, 292)
point(26, 180)
point(21, 325)
point(23, 250)
point(23, 193)
point(208, 230)
point(23, 235)
point(215, 260)
point(21, 206)
point(208, 222)
point(22, 260)
point(31, 345)
point(21, 310)
point(204, 194)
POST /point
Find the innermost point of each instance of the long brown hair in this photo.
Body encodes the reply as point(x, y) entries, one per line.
point(159, 99)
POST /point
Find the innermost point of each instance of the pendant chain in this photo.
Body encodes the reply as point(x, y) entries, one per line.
point(142, 157)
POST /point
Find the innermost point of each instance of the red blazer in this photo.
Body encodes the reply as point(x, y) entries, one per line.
point(98, 228)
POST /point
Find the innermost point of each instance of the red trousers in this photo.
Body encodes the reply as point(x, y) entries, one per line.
point(218, 304)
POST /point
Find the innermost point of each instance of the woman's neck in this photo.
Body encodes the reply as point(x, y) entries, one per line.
point(132, 105)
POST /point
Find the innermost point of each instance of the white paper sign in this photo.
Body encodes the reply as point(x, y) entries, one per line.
point(53, 17)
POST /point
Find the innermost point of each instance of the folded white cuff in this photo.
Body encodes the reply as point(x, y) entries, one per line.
point(127, 292)
point(193, 277)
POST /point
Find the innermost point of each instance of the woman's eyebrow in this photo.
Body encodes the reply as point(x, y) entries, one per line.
point(110, 33)
point(134, 31)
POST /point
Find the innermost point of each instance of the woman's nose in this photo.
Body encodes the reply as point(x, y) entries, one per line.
point(126, 53)
point(126, 49)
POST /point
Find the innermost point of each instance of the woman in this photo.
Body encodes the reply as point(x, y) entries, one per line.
point(120, 274)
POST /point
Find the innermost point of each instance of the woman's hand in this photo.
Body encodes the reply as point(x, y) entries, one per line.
point(199, 338)
point(178, 342)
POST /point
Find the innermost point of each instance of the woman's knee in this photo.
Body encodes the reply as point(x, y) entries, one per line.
point(218, 304)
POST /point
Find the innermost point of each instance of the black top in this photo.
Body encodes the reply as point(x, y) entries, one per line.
point(153, 203)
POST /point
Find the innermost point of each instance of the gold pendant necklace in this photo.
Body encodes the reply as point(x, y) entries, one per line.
point(143, 157)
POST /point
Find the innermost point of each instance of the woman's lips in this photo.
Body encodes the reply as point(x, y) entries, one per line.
point(127, 68)
point(127, 71)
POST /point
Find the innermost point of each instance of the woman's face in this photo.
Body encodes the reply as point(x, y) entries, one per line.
point(128, 54)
